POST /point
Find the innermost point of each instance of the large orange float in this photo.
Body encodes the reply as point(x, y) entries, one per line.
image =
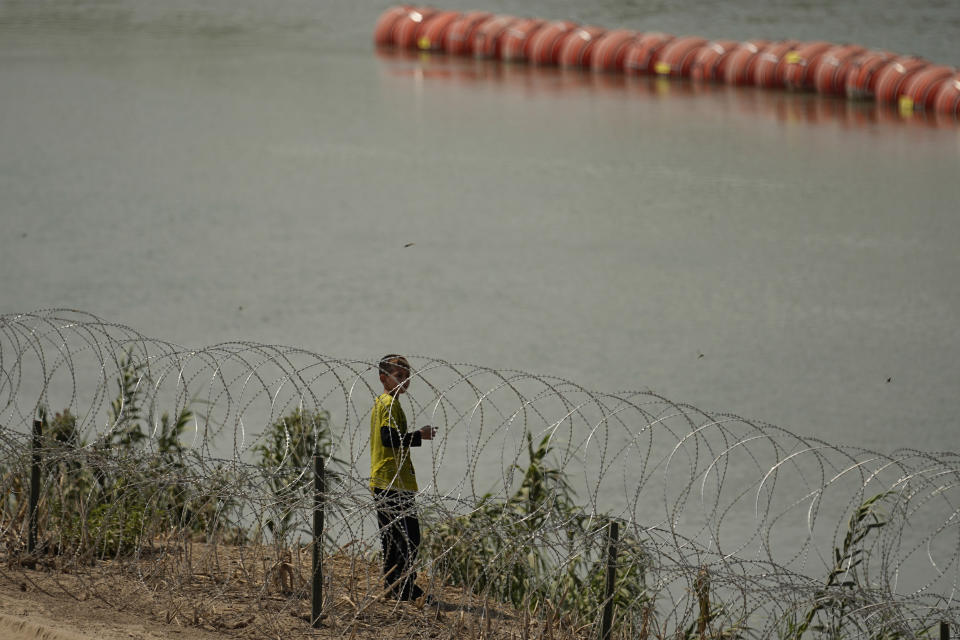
point(739, 68)
point(677, 56)
point(947, 98)
point(577, 46)
point(643, 52)
point(513, 42)
point(830, 76)
point(486, 38)
point(770, 64)
point(430, 35)
point(893, 75)
point(610, 49)
point(406, 27)
point(861, 79)
point(383, 30)
point(711, 60)
point(544, 46)
point(920, 90)
point(801, 64)
point(458, 38)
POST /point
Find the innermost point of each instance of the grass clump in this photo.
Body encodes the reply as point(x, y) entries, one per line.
point(536, 549)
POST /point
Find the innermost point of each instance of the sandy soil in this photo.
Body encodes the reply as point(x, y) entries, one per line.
point(215, 593)
point(29, 613)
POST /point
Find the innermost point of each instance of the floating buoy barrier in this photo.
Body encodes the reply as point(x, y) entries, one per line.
point(486, 38)
point(947, 99)
point(643, 52)
point(770, 65)
point(677, 56)
point(458, 38)
point(710, 61)
point(577, 46)
point(739, 70)
point(515, 41)
point(405, 29)
point(862, 77)
point(919, 91)
point(544, 48)
point(802, 63)
point(430, 34)
point(609, 50)
point(383, 31)
point(910, 83)
point(893, 76)
point(830, 77)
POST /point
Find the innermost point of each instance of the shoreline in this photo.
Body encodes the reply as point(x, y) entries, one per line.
point(209, 592)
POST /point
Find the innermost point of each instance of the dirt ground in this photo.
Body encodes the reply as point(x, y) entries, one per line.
point(26, 613)
point(207, 592)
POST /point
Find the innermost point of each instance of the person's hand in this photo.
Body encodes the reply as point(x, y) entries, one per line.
point(428, 432)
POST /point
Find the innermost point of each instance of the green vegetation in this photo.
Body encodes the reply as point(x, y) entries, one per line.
point(286, 459)
point(536, 549)
point(828, 616)
point(115, 495)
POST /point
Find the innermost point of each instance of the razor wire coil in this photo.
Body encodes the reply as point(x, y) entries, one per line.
point(731, 527)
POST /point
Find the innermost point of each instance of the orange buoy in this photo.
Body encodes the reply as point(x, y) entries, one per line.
point(947, 98)
point(830, 75)
point(513, 42)
point(893, 75)
point(609, 50)
point(739, 67)
point(921, 88)
point(577, 45)
point(430, 35)
point(677, 56)
point(383, 31)
point(458, 38)
point(710, 60)
point(769, 66)
point(486, 39)
point(544, 46)
point(861, 79)
point(405, 29)
point(801, 63)
point(643, 52)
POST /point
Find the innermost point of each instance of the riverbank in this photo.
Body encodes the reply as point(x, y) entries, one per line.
point(35, 615)
point(202, 591)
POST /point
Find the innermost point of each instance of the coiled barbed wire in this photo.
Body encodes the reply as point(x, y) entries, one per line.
point(176, 462)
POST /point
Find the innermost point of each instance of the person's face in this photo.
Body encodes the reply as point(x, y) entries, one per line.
point(398, 380)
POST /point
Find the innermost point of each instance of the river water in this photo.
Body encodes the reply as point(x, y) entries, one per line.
point(211, 171)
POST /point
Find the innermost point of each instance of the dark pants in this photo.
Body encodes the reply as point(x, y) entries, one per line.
point(400, 536)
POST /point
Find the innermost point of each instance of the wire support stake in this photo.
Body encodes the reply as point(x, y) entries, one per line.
point(607, 622)
point(35, 484)
point(317, 587)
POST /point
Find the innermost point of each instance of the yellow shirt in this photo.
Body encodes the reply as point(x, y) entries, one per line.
point(390, 468)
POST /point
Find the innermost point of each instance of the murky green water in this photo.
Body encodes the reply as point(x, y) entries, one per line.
point(213, 171)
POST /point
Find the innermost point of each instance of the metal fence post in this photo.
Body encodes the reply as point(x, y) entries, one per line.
point(34, 484)
point(607, 621)
point(944, 630)
point(317, 587)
